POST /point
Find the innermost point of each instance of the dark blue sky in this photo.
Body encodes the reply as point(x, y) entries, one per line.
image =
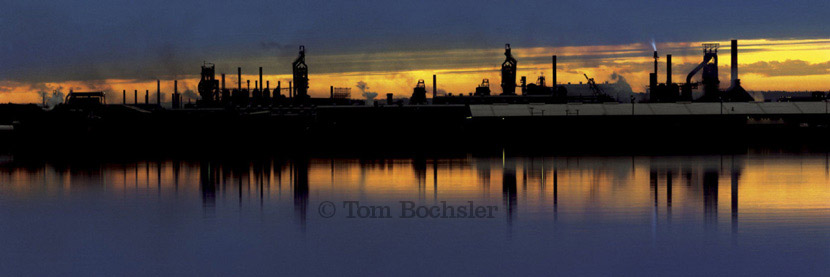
point(65, 40)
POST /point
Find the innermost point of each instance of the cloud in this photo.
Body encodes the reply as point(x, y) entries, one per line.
point(60, 41)
point(272, 47)
point(786, 68)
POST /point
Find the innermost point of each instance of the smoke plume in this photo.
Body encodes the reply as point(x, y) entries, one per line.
point(621, 89)
point(49, 96)
point(364, 91)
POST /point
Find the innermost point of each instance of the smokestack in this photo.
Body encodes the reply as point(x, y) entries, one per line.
point(434, 86)
point(249, 85)
point(331, 93)
point(553, 77)
point(175, 94)
point(389, 99)
point(279, 89)
point(267, 85)
point(158, 91)
point(239, 78)
point(223, 81)
point(655, 63)
point(734, 61)
point(291, 90)
point(124, 97)
point(260, 78)
point(524, 85)
point(652, 81)
point(147, 96)
point(668, 69)
point(135, 95)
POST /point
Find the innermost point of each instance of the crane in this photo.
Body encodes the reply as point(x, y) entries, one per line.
point(593, 85)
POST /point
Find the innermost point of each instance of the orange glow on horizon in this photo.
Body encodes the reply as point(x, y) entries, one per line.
point(624, 59)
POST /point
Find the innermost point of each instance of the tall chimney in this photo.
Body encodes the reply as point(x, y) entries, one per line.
point(239, 78)
point(553, 77)
point(655, 63)
point(331, 93)
point(223, 81)
point(652, 81)
point(135, 95)
point(175, 94)
point(124, 97)
point(260, 78)
point(249, 85)
point(278, 89)
point(668, 69)
point(434, 86)
point(734, 61)
point(524, 85)
point(291, 90)
point(158, 91)
point(147, 96)
point(267, 85)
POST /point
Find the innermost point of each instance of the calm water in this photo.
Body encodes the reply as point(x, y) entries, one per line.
point(765, 214)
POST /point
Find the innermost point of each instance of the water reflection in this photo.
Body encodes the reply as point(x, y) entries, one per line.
point(508, 181)
point(662, 189)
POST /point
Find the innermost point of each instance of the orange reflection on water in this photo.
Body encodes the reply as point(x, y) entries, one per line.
point(717, 188)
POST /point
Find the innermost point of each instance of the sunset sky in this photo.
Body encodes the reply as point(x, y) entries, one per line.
point(117, 45)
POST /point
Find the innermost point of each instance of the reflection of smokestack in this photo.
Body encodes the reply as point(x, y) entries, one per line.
point(668, 70)
point(239, 78)
point(434, 87)
point(553, 77)
point(734, 61)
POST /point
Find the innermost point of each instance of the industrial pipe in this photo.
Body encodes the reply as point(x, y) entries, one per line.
point(553, 77)
point(158, 91)
point(668, 69)
point(734, 61)
point(434, 86)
